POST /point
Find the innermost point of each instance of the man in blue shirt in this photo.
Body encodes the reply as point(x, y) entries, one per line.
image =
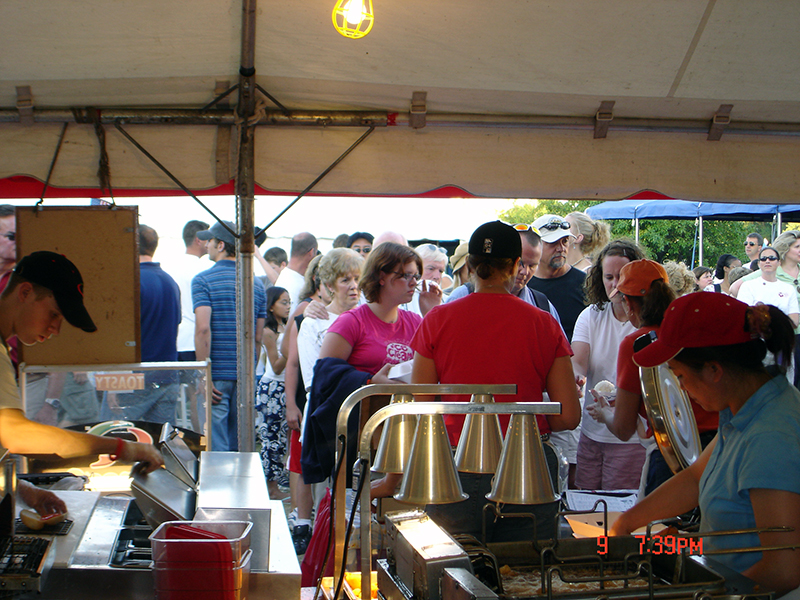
point(214, 300)
point(159, 317)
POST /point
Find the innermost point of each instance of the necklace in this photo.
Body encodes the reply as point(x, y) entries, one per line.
point(585, 258)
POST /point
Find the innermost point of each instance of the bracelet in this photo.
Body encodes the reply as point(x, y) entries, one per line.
point(118, 451)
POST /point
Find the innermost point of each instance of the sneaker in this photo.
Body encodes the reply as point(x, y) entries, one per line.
point(301, 538)
point(291, 519)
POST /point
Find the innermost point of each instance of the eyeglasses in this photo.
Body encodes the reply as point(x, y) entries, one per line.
point(749, 243)
point(11, 236)
point(767, 258)
point(408, 277)
point(555, 224)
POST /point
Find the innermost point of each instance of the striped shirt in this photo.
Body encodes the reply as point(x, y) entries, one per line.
point(216, 288)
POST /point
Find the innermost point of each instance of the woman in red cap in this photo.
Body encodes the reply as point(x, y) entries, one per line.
point(749, 476)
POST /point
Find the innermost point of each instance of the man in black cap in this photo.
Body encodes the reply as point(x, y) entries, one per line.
point(44, 290)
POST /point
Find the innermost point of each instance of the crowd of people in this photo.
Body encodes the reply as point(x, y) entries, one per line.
point(556, 307)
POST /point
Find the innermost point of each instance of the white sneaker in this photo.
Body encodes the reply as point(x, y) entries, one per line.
point(291, 518)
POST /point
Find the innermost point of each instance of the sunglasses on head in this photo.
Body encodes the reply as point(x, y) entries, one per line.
point(524, 227)
point(435, 248)
point(555, 224)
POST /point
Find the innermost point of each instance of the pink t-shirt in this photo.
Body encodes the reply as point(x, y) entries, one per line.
point(491, 338)
point(375, 342)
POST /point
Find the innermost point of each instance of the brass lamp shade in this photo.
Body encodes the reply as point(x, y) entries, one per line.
point(481, 441)
point(396, 440)
point(523, 476)
point(430, 476)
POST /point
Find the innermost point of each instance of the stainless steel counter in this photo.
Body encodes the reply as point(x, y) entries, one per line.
point(229, 482)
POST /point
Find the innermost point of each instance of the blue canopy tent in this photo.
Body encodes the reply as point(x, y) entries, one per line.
point(635, 209)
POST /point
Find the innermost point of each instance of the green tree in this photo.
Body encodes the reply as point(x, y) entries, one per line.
point(662, 239)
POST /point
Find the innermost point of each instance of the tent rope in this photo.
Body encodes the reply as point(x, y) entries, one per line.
point(103, 168)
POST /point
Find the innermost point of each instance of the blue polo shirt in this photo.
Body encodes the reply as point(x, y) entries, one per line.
point(216, 288)
point(758, 448)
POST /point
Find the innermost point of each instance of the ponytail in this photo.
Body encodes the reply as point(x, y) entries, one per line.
point(655, 303)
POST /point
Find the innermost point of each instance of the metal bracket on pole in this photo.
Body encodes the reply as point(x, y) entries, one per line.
point(419, 110)
point(603, 118)
point(25, 104)
point(722, 118)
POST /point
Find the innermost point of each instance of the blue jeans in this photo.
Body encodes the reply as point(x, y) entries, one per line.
point(155, 404)
point(224, 427)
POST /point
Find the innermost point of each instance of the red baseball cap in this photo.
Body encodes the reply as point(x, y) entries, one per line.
point(635, 277)
point(697, 320)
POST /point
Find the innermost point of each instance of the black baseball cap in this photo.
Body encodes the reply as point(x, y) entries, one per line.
point(59, 275)
point(496, 240)
point(219, 232)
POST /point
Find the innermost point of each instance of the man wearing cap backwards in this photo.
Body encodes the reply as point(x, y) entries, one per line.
point(554, 276)
point(507, 341)
point(44, 290)
point(214, 300)
point(749, 475)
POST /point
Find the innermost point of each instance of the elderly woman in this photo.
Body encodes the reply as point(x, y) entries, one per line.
point(508, 340)
point(589, 237)
point(338, 274)
point(361, 345)
point(748, 477)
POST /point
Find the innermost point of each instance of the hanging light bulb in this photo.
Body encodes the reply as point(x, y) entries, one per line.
point(353, 18)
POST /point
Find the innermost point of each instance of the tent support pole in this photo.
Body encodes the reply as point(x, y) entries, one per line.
point(700, 250)
point(245, 201)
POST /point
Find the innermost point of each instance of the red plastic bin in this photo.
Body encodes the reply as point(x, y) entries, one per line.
point(202, 578)
point(201, 543)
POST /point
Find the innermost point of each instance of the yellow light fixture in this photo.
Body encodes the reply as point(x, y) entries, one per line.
point(353, 18)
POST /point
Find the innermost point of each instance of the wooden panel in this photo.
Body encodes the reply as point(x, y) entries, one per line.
point(103, 244)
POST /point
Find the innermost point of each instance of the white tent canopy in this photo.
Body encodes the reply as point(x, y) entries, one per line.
point(512, 93)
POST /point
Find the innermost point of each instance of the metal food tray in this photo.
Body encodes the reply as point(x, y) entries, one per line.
point(22, 560)
point(673, 575)
point(60, 529)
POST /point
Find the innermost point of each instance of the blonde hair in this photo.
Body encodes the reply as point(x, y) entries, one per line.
point(338, 263)
point(681, 279)
point(596, 234)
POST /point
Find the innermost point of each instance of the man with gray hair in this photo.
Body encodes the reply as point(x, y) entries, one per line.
point(292, 278)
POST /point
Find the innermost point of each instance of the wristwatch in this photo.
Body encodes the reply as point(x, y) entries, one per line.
point(54, 402)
